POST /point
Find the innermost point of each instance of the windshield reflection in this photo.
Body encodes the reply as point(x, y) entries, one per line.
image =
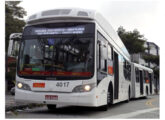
point(71, 56)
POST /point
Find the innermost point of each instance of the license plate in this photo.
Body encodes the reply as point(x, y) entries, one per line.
point(51, 97)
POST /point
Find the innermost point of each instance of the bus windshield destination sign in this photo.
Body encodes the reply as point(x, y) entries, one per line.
point(51, 31)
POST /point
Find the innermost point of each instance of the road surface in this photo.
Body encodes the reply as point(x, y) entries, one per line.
point(138, 108)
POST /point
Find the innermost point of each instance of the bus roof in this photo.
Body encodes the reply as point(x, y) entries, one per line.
point(61, 13)
point(80, 14)
point(143, 67)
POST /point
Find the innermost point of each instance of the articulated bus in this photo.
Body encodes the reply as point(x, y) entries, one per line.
point(72, 57)
point(142, 81)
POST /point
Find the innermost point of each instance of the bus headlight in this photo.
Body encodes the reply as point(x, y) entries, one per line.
point(84, 88)
point(19, 85)
point(23, 86)
point(87, 87)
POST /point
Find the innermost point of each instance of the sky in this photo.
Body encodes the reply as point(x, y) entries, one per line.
point(143, 15)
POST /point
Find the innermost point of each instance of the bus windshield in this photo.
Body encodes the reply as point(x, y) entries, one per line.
point(57, 51)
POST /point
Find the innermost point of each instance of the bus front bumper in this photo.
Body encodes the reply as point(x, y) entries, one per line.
point(76, 99)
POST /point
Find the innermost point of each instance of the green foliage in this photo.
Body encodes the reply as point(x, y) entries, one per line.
point(156, 72)
point(151, 58)
point(133, 41)
point(14, 22)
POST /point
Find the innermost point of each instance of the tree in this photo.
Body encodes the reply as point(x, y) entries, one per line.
point(14, 22)
point(152, 59)
point(133, 41)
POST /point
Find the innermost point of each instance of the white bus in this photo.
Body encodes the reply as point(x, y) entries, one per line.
point(72, 57)
point(142, 81)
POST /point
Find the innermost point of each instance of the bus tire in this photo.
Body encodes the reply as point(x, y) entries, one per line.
point(104, 108)
point(110, 95)
point(51, 107)
point(129, 93)
point(146, 92)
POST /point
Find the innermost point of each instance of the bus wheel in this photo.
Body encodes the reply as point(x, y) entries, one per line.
point(104, 108)
point(129, 92)
point(146, 92)
point(51, 107)
point(110, 96)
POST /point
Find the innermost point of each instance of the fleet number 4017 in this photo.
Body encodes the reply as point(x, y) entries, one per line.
point(62, 84)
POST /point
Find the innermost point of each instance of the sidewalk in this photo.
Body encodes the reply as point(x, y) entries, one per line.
point(10, 103)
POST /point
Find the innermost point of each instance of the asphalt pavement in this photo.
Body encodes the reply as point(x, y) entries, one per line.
point(11, 104)
point(137, 108)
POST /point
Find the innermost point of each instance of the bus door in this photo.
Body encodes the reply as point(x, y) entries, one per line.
point(150, 80)
point(116, 76)
point(141, 82)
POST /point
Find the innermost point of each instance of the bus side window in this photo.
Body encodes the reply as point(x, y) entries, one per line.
point(144, 76)
point(137, 75)
point(102, 52)
point(104, 58)
point(147, 77)
point(152, 77)
point(98, 55)
point(124, 68)
point(127, 69)
point(109, 52)
point(112, 52)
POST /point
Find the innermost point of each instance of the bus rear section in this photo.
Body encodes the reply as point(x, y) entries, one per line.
point(142, 81)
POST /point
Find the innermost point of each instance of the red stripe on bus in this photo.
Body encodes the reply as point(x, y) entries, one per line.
point(34, 73)
point(72, 73)
point(55, 73)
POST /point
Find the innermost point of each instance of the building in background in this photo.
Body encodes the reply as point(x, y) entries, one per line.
point(151, 49)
